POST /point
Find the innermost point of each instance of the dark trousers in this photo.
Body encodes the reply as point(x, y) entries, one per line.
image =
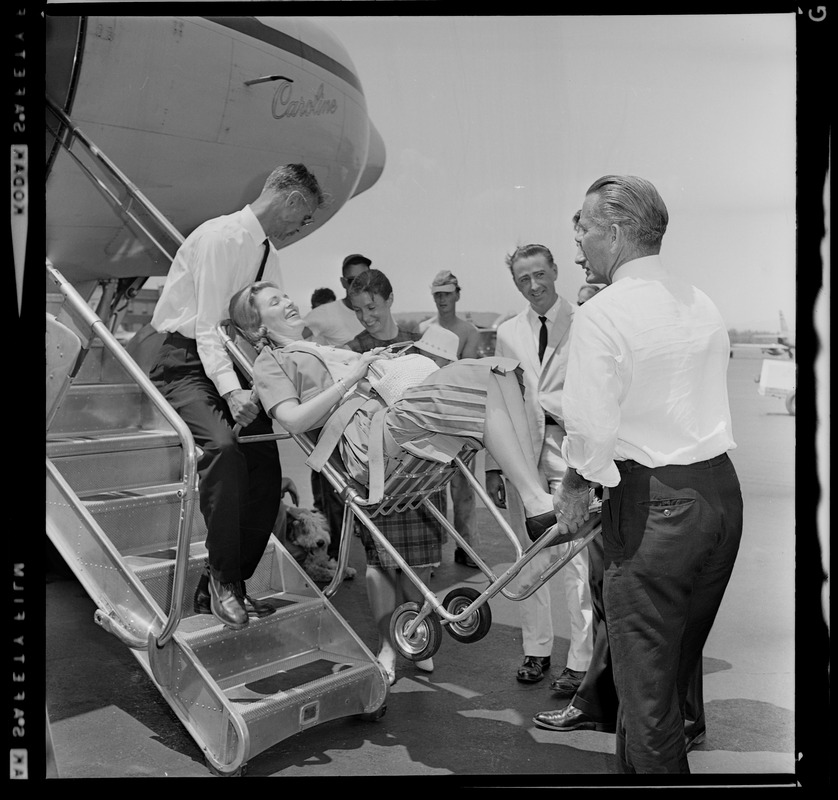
point(597, 695)
point(670, 538)
point(239, 484)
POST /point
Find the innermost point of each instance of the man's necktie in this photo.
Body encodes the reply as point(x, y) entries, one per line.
point(542, 339)
point(264, 260)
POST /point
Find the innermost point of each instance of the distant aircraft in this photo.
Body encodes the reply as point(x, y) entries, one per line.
point(194, 112)
point(783, 342)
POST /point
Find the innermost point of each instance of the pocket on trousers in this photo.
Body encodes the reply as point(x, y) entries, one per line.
point(668, 508)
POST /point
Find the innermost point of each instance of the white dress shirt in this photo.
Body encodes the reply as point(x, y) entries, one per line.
point(646, 376)
point(217, 259)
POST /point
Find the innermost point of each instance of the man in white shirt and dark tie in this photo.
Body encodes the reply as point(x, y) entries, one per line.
point(538, 337)
point(240, 486)
point(646, 416)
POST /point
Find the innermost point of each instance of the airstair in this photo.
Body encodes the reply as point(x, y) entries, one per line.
point(120, 509)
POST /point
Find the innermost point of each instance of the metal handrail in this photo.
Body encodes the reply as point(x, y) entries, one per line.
point(166, 238)
point(187, 493)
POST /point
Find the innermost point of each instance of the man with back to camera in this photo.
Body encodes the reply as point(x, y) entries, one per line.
point(594, 704)
point(538, 337)
point(445, 290)
point(335, 323)
point(647, 417)
point(240, 485)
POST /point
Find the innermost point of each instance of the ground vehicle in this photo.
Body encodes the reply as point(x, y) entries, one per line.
point(779, 379)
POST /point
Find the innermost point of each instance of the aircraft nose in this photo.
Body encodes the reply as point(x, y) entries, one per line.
point(376, 156)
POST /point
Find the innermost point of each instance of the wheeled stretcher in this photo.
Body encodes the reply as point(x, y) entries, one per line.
point(464, 613)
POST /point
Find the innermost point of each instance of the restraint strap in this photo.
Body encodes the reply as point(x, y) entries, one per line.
point(375, 457)
point(332, 431)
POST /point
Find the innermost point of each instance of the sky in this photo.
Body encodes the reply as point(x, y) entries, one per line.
point(495, 127)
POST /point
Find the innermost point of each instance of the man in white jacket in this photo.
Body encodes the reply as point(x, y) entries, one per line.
point(538, 337)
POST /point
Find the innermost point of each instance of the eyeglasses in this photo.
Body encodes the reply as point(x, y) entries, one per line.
point(308, 218)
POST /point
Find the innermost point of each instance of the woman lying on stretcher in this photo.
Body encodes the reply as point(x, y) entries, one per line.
point(472, 402)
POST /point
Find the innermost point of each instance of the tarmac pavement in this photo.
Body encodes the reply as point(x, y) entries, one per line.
point(470, 719)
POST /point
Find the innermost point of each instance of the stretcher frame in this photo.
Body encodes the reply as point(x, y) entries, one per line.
point(464, 613)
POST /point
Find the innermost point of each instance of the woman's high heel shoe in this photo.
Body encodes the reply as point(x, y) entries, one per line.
point(389, 666)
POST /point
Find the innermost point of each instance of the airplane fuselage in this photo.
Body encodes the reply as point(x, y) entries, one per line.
point(196, 111)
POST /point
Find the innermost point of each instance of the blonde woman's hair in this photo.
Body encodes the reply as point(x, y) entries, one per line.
point(247, 319)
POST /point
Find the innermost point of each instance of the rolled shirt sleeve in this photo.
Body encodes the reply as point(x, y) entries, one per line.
point(217, 255)
point(271, 382)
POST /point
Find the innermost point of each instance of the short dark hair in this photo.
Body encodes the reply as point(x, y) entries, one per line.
point(321, 296)
point(294, 177)
point(355, 258)
point(527, 250)
point(373, 281)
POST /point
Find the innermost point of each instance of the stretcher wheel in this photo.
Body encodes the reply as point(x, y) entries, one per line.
point(476, 625)
point(425, 640)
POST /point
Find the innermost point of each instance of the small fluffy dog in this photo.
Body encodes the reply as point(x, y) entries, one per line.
point(309, 532)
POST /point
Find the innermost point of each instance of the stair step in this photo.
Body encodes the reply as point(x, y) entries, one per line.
point(143, 519)
point(100, 499)
point(98, 442)
point(276, 580)
point(292, 674)
point(117, 460)
point(304, 684)
point(297, 668)
point(106, 407)
point(299, 626)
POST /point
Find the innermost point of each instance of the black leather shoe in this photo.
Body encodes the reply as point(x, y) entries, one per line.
point(538, 526)
point(571, 719)
point(226, 604)
point(533, 669)
point(462, 557)
point(543, 523)
point(694, 738)
point(201, 603)
point(254, 606)
point(567, 683)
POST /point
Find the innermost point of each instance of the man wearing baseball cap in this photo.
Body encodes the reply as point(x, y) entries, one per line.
point(336, 323)
point(445, 290)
